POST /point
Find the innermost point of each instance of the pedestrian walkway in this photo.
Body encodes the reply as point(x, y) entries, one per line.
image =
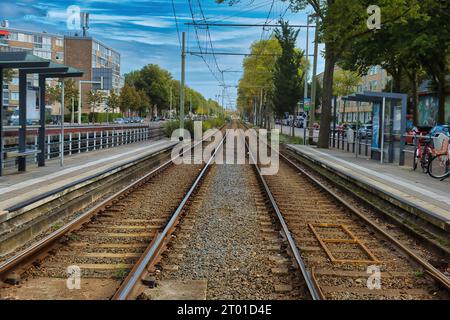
point(429, 197)
point(20, 187)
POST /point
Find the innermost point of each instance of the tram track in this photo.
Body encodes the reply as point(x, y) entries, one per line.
point(228, 244)
point(338, 243)
point(104, 243)
point(297, 239)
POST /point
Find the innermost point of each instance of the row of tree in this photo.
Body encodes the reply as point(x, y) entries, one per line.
point(155, 88)
point(273, 78)
point(413, 42)
point(95, 98)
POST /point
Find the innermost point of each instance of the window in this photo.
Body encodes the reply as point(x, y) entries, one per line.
point(14, 96)
point(43, 54)
point(25, 37)
point(59, 42)
point(47, 43)
point(12, 36)
point(60, 56)
point(15, 81)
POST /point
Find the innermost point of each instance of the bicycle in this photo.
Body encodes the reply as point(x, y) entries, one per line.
point(439, 165)
point(423, 153)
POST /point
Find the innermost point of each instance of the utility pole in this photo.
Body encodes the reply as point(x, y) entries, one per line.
point(223, 102)
point(190, 103)
point(170, 108)
point(314, 86)
point(61, 137)
point(183, 66)
point(260, 107)
point(72, 118)
point(305, 93)
point(254, 116)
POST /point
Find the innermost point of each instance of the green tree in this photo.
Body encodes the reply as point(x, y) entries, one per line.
point(129, 99)
point(8, 75)
point(345, 82)
point(144, 102)
point(340, 23)
point(288, 76)
point(94, 98)
point(257, 80)
point(408, 49)
point(113, 102)
point(53, 93)
point(155, 81)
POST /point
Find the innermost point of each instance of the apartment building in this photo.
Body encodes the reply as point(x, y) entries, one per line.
point(99, 62)
point(42, 44)
point(95, 59)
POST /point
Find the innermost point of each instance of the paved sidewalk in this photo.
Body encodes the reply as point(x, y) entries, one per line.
point(19, 187)
point(414, 188)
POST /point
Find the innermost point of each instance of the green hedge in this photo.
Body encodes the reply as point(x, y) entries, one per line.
point(171, 126)
point(98, 117)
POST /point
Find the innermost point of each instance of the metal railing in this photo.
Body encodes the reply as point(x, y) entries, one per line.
point(75, 143)
point(354, 144)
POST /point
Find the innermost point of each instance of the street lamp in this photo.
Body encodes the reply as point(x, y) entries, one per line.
point(79, 93)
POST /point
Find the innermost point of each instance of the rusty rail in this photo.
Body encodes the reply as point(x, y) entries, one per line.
point(148, 259)
point(41, 246)
point(432, 271)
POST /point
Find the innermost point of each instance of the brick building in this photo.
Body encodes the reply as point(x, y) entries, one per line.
point(94, 58)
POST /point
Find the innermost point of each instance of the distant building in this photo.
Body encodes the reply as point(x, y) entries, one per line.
point(42, 44)
point(91, 56)
point(97, 61)
point(376, 81)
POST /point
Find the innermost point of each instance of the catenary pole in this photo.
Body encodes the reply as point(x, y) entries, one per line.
point(183, 75)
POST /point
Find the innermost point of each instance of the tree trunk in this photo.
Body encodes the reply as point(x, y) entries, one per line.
point(415, 95)
point(441, 98)
point(327, 96)
point(397, 79)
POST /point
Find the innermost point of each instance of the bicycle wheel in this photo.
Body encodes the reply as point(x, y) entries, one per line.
point(425, 162)
point(439, 167)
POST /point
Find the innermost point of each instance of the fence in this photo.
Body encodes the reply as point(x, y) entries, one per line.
point(350, 141)
point(78, 139)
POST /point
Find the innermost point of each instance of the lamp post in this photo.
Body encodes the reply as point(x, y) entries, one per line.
point(79, 93)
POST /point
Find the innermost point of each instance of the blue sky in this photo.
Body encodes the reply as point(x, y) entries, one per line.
point(146, 32)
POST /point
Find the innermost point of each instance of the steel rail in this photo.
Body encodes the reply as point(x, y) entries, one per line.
point(431, 270)
point(48, 240)
point(312, 288)
point(126, 289)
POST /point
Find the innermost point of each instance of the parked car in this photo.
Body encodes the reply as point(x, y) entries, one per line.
point(119, 121)
point(299, 123)
point(365, 131)
point(137, 120)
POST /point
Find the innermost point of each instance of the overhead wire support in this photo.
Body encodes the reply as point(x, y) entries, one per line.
point(210, 24)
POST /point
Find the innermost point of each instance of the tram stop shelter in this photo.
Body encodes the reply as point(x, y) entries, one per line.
point(30, 64)
point(388, 124)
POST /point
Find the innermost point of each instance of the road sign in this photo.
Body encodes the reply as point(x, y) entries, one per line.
point(307, 104)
